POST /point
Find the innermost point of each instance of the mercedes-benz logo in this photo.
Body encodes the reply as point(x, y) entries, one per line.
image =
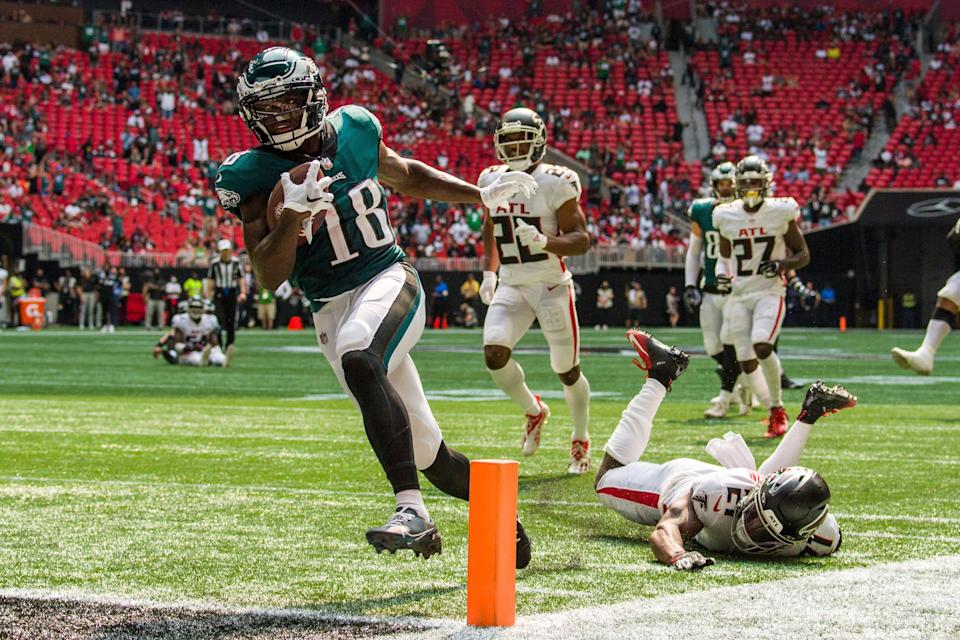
point(934, 208)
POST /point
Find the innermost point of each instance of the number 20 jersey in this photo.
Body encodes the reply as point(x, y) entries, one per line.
point(520, 264)
point(755, 238)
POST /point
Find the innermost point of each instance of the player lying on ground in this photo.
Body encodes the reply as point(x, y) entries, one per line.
point(779, 510)
point(762, 235)
point(367, 301)
point(194, 340)
point(944, 320)
point(532, 233)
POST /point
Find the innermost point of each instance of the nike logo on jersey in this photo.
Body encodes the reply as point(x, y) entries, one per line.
point(553, 287)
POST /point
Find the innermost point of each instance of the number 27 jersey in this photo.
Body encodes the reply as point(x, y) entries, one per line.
point(756, 237)
point(520, 264)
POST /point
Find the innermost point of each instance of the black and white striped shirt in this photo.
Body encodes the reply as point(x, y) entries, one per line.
point(225, 275)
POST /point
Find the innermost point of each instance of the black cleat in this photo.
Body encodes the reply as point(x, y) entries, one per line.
point(523, 547)
point(406, 530)
point(822, 400)
point(661, 362)
point(787, 383)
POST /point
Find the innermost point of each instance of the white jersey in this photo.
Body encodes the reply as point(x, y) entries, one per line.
point(715, 497)
point(520, 264)
point(756, 237)
point(195, 333)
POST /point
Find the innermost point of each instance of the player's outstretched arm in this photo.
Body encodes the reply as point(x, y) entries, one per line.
point(679, 523)
point(415, 178)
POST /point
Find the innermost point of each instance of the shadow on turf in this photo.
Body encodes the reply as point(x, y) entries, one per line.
point(73, 620)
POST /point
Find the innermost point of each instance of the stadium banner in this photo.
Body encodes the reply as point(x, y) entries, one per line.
point(910, 208)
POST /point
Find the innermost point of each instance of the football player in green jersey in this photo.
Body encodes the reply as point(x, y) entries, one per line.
point(367, 302)
point(708, 291)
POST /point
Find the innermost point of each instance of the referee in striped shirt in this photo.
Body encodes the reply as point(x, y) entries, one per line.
point(226, 286)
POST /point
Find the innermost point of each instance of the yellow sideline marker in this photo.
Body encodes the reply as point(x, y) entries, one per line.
point(492, 543)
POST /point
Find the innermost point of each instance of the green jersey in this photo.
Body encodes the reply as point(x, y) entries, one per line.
point(355, 242)
point(701, 212)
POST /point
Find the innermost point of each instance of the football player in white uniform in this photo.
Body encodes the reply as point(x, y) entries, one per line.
point(944, 320)
point(779, 509)
point(526, 239)
point(193, 340)
point(761, 234)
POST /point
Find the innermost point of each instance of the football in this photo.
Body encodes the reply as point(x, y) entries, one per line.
point(275, 203)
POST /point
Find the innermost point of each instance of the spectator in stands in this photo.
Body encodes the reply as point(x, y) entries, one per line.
point(605, 297)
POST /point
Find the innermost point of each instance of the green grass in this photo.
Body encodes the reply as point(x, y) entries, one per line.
point(122, 475)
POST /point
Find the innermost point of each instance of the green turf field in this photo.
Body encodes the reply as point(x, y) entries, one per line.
point(122, 475)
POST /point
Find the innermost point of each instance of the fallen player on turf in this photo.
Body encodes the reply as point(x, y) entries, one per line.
point(779, 509)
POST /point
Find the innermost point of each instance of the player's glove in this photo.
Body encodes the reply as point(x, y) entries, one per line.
point(692, 298)
point(488, 287)
point(531, 236)
point(307, 198)
point(724, 284)
point(691, 561)
point(953, 238)
point(770, 268)
point(506, 186)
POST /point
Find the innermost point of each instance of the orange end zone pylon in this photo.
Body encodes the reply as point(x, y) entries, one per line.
point(492, 543)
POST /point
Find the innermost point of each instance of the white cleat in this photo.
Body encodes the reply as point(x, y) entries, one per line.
point(718, 409)
point(920, 361)
point(579, 457)
point(531, 431)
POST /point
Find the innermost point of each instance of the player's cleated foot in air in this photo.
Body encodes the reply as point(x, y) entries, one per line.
point(523, 547)
point(787, 383)
point(531, 430)
point(229, 357)
point(822, 401)
point(920, 360)
point(406, 530)
point(661, 362)
point(717, 409)
point(579, 457)
point(777, 424)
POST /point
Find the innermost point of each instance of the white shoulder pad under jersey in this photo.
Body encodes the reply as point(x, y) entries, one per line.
point(715, 499)
point(520, 264)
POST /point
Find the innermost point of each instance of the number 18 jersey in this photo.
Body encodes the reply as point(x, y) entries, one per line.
point(755, 238)
point(520, 264)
